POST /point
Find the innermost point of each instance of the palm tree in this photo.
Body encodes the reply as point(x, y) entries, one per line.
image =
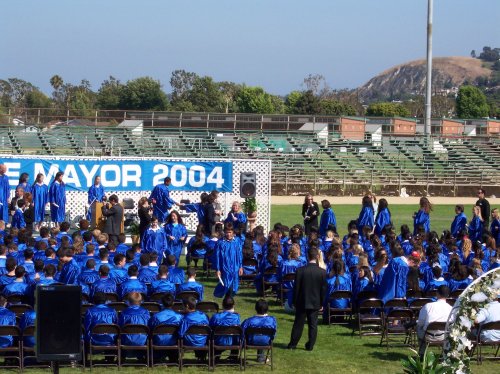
point(56, 81)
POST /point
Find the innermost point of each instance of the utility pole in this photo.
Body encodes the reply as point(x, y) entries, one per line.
point(428, 82)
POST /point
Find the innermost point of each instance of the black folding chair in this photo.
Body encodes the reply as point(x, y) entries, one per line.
point(132, 329)
point(19, 309)
point(270, 284)
point(417, 304)
point(107, 349)
point(248, 279)
point(196, 330)
point(29, 352)
point(480, 344)
point(181, 296)
point(112, 297)
point(287, 278)
point(394, 325)
point(157, 296)
point(231, 332)
point(414, 294)
point(340, 313)
point(431, 294)
point(435, 334)
point(14, 352)
point(165, 330)
point(370, 317)
point(208, 307)
point(396, 303)
point(253, 331)
point(179, 307)
point(151, 306)
point(118, 306)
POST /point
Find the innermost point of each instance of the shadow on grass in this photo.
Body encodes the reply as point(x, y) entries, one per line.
point(389, 356)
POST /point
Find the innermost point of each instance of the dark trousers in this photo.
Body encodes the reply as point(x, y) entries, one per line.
point(298, 326)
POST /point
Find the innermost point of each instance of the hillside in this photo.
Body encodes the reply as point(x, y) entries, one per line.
point(408, 79)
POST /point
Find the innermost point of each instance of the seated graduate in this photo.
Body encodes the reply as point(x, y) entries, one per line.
point(228, 317)
point(37, 274)
point(437, 280)
point(49, 271)
point(28, 263)
point(414, 281)
point(70, 270)
point(459, 222)
point(9, 275)
point(166, 317)
point(337, 280)
point(175, 274)
point(364, 282)
point(97, 315)
point(393, 283)
point(154, 239)
point(63, 232)
point(19, 286)
point(191, 284)
point(262, 320)
point(162, 284)
point(104, 254)
point(148, 272)
point(487, 314)
point(197, 246)
point(104, 284)
point(89, 275)
point(381, 262)
point(459, 276)
point(122, 247)
point(7, 318)
point(134, 315)
point(27, 320)
point(193, 317)
point(271, 261)
point(290, 266)
point(132, 284)
point(132, 256)
point(248, 254)
point(118, 273)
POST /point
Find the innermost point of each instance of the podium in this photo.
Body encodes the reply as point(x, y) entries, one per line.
point(97, 220)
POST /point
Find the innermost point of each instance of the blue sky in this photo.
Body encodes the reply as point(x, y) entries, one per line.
point(269, 43)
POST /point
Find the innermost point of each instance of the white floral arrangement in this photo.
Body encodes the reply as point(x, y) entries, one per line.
point(477, 295)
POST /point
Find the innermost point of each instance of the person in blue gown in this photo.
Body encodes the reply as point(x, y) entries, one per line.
point(104, 283)
point(70, 270)
point(27, 320)
point(132, 284)
point(260, 320)
point(459, 222)
point(18, 221)
point(4, 194)
point(236, 216)
point(290, 266)
point(95, 194)
point(327, 218)
point(7, 318)
point(383, 217)
point(197, 246)
point(57, 198)
point(19, 286)
point(154, 239)
point(495, 226)
point(40, 198)
point(228, 317)
point(134, 315)
point(193, 317)
point(175, 274)
point(97, 315)
point(228, 263)
point(192, 284)
point(198, 208)
point(162, 202)
point(176, 235)
point(162, 284)
point(422, 217)
point(394, 281)
point(476, 225)
point(24, 183)
point(166, 317)
point(366, 216)
point(337, 280)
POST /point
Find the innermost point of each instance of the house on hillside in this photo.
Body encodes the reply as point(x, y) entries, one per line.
point(486, 126)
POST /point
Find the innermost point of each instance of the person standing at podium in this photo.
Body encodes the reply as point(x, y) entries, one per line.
point(114, 217)
point(96, 194)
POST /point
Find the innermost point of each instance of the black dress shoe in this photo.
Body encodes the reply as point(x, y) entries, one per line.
point(308, 347)
point(289, 346)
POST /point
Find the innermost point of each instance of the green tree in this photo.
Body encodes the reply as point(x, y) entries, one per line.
point(336, 108)
point(108, 96)
point(14, 92)
point(37, 99)
point(143, 93)
point(205, 95)
point(229, 92)
point(181, 82)
point(387, 110)
point(308, 103)
point(291, 101)
point(471, 103)
point(256, 100)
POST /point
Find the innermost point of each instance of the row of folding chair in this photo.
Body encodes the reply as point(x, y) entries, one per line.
point(151, 351)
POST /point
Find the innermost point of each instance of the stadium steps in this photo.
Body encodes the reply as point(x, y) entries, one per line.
point(14, 141)
point(482, 153)
point(133, 146)
point(243, 147)
point(159, 146)
point(212, 141)
point(308, 157)
point(75, 146)
point(45, 142)
point(188, 145)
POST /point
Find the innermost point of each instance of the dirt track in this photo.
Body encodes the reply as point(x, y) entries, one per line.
point(356, 200)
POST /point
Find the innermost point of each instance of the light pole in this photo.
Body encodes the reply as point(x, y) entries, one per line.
point(428, 82)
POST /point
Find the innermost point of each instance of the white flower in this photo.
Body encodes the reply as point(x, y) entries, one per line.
point(479, 297)
point(465, 322)
point(496, 284)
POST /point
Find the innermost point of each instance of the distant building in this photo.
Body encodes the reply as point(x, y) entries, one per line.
point(447, 127)
point(486, 126)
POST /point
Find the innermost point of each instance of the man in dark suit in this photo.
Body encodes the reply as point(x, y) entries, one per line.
point(484, 205)
point(309, 292)
point(114, 217)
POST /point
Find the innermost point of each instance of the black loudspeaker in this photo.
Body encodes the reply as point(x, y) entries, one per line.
point(58, 323)
point(248, 184)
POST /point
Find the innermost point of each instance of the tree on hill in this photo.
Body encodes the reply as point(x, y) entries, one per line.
point(336, 108)
point(108, 96)
point(490, 54)
point(256, 100)
point(471, 103)
point(387, 110)
point(143, 93)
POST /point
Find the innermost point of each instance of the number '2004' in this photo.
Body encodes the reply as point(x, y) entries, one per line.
point(194, 176)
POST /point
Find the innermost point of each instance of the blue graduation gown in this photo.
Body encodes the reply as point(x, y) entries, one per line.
point(259, 321)
point(70, 272)
point(88, 276)
point(344, 284)
point(18, 219)
point(421, 218)
point(327, 218)
point(7, 318)
point(476, 229)
point(393, 283)
point(96, 193)
point(196, 208)
point(106, 285)
point(40, 200)
point(165, 317)
point(163, 286)
point(198, 252)
point(195, 318)
point(25, 186)
point(134, 315)
point(100, 314)
point(4, 197)
point(175, 275)
point(495, 230)
point(365, 218)
point(147, 274)
point(192, 286)
point(458, 224)
point(57, 195)
point(28, 319)
point(164, 202)
point(383, 219)
point(118, 275)
point(228, 261)
point(132, 285)
point(225, 318)
point(154, 240)
point(241, 218)
point(174, 247)
point(16, 288)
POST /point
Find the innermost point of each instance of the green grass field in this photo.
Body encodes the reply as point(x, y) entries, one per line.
point(336, 349)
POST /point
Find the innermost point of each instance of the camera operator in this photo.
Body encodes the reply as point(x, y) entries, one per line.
point(145, 212)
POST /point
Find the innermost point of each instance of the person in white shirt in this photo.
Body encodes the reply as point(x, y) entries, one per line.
point(491, 313)
point(438, 311)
